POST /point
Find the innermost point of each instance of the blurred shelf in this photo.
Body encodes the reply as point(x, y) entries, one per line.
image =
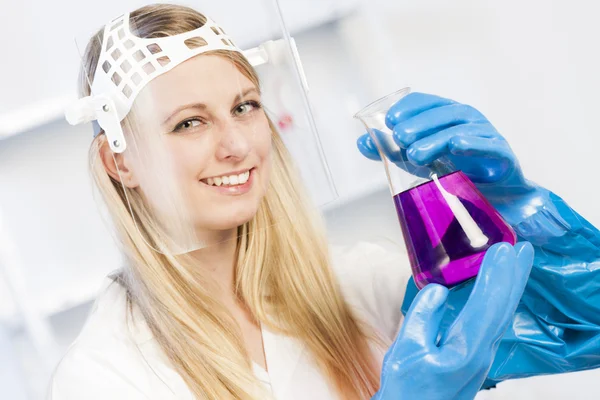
point(375, 186)
point(85, 292)
point(299, 17)
point(79, 294)
point(304, 18)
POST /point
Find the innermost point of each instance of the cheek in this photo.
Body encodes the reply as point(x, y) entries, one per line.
point(265, 154)
point(188, 158)
point(169, 175)
point(263, 142)
point(265, 147)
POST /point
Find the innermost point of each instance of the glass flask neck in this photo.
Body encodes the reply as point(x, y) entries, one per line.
point(402, 174)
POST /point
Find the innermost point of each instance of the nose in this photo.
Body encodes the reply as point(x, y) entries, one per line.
point(234, 142)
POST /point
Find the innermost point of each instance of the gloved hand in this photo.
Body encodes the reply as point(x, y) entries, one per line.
point(429, 128)
point(556, 327)
point(418, 366)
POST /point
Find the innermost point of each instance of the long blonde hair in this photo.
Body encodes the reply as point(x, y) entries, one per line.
point(282, 270)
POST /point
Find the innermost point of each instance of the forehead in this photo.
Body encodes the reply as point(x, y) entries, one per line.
point(207, 79)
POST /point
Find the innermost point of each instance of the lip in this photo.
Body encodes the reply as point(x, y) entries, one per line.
point(236, 190)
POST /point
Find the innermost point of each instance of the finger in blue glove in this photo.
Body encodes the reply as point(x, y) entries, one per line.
point(422, 363)
point(429, 128)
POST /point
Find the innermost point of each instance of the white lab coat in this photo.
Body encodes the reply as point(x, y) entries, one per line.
point(116, 358)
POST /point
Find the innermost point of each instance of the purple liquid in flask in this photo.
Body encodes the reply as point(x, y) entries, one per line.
point(448, 225)
point(439, 247)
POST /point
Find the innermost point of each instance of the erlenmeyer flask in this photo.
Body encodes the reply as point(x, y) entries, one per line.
point(447, 223)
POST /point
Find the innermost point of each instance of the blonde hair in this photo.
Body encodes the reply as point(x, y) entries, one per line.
point(282, 270)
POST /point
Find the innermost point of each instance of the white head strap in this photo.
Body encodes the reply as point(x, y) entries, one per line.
point(128, 63)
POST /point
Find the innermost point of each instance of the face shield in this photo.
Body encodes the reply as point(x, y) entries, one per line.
point(198, 131)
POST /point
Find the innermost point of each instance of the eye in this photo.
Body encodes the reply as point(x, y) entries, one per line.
point(188, 124)
point(246, 107)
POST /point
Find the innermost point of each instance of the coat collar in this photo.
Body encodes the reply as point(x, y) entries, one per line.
point(282, 353)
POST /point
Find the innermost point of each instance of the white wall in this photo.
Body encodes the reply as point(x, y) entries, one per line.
point(52, 37)
point(532, 69)
point(529, 66)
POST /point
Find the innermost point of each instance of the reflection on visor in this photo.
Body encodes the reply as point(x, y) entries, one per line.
point(188, 125)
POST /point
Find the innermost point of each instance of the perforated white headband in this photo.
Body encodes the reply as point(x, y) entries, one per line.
point(127, 63)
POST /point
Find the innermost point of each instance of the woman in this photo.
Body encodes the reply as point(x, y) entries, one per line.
point(228, 279)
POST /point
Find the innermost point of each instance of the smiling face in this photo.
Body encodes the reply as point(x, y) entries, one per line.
point(199, 148)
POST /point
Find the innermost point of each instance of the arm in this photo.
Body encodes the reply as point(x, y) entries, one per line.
point(426, 362)
point(556, 327)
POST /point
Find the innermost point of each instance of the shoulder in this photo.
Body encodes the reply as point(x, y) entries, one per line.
point(114, 357)
point(373, 278)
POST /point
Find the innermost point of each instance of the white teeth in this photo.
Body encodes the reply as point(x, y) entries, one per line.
point(229, 180)
point(244, 177)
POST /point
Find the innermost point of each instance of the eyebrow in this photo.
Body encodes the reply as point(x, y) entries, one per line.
point(202, 106)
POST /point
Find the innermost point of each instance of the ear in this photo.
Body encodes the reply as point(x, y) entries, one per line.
point(117, 166)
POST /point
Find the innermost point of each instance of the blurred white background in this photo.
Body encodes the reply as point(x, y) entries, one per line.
point(530, 67)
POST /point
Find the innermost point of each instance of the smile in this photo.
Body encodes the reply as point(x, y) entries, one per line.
point(235, 183)
point(228, 180)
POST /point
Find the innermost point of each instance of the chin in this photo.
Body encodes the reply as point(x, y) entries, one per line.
point(226, 219)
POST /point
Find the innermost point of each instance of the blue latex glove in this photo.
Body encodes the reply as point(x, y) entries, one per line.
point(429, 128)
point(424, 363)
point(556, 327)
